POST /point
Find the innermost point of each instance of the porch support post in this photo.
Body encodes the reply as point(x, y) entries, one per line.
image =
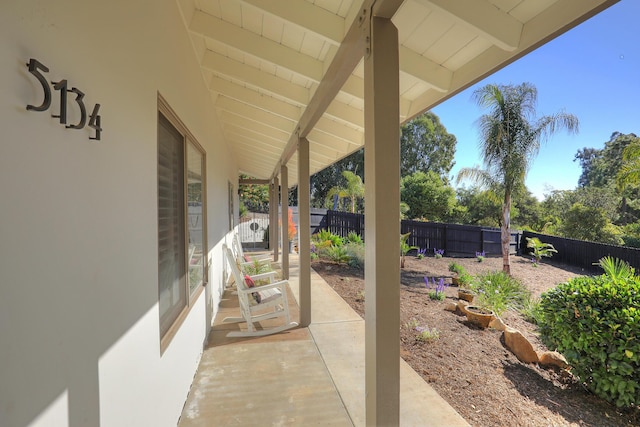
point(271, 215)
point(382, 225)
point(304, 231)
point(284, 202)
point(273, 222)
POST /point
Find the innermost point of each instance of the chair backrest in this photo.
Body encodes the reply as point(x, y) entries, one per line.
point(237, 247)
point(235, 270)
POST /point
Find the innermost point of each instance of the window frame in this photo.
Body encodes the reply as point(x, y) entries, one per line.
point(188, 140)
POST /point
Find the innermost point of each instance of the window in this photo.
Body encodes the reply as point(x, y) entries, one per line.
point(181, 220)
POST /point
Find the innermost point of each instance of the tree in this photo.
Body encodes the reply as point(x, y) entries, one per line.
point(323, 181)
point(353, 190)
point(600, 167)
point(529, 215)
point(425, 145)
point(629, 172)
point(254, 197)
point(482, 207)
point(511, 137)
point(591, 224)
point(427, 196)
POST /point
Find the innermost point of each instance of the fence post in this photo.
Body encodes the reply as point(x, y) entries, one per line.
point(444, 238)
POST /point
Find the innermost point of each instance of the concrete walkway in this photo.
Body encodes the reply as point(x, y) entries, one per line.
point(302, 377)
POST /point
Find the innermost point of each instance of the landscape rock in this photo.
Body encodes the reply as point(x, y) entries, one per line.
point(497, 324)
point(462, 306)
point(520, 346)
point(451, 306)
point(552, 358)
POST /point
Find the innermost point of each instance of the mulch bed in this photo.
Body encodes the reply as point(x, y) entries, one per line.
point(470, 367)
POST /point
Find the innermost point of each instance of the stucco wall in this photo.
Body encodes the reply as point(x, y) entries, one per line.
point(79, 329)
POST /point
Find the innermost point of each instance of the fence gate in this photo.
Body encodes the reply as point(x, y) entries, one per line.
point(251, 230)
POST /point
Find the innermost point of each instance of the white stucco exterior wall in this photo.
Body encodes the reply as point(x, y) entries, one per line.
point(79, 327)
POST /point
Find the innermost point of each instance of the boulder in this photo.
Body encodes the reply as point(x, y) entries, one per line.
point(451, 306)
point(497, 324)
point(519, 345)
point(552, 358)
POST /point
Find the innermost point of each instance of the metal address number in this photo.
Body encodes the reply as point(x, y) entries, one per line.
point(37, 68)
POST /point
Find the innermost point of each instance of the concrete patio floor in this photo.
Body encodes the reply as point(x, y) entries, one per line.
point(302, 377)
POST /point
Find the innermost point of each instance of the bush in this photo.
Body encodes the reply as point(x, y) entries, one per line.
point(498, 291)
point(355, 252)
point(595, 323)
point(337, 254)
point(530, 310)
point(325, 238)
point(354, 237)
point(454, 267)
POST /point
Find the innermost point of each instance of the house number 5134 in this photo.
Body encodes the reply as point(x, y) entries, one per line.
point(37, 69)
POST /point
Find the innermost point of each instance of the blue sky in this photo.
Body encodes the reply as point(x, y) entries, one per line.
point(592, 71)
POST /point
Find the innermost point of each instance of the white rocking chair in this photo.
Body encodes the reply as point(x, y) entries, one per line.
point(244, 260)
point(258, 303)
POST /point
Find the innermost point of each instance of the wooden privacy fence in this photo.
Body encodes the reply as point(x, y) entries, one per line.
point(466, 240)
point(456, 240)
point(583, 254)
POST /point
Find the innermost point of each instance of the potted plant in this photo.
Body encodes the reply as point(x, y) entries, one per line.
point(291, 231)
point(479, 316)
point(457, 270)
point(462, 279)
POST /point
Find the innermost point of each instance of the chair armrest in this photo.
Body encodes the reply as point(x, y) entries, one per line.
point(280, 284)
point(271, 275)
point(266, 262)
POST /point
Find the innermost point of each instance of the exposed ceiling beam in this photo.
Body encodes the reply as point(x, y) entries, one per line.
point(341, 111)
point(255, 114)
point(253, 181)
point(275, 85)
point(541, 29)
point(306, 15)
point(252, 97)
point(228, 118)
point(344, 62)
point(271, 107)
point(497, 26)
point(424, 69)
point(259, 138)
point(253, 44)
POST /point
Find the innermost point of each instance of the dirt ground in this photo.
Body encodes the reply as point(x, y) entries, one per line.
point(471, 368)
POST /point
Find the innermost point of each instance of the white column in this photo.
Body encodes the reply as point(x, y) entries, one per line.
point(273, 222)
point(284, 202)
point(382, 226)
point(304, 231)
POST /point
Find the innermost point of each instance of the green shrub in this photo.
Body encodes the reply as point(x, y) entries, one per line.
point(355, 251)
point(354, 237)
point(498, 291)
point(530, 310)
point(540, 249)
point(337, 254)
point(454, 267)
point(326, 238)
point(595, 323)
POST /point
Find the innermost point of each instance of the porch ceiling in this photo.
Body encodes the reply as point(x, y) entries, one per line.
point(264, 60)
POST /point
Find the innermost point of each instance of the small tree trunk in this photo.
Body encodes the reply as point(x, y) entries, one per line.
point(506, 232)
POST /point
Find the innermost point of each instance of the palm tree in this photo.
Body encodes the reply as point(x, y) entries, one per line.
point(353, 191)
point(629, 173)
point(510, 140)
